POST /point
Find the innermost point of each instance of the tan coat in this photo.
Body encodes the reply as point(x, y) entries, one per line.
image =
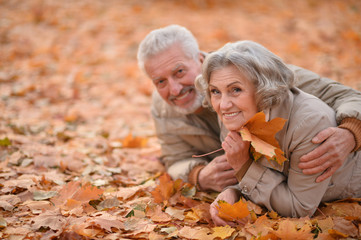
point(181, 135)
point(285, 189)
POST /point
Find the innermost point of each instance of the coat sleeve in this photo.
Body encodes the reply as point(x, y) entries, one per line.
point(295, 194)
point(344, 100)
point(177, 156)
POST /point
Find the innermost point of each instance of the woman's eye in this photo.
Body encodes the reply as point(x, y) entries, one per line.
point(214, 91)
point(236, 89)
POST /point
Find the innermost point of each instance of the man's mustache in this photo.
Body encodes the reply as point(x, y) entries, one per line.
point(183, 91)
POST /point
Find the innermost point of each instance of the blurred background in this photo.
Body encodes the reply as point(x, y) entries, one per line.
point(72, 61)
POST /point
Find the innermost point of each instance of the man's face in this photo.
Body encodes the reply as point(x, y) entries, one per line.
point(173, 74)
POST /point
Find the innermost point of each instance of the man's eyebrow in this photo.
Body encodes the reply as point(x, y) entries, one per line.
point(177, 66)
point(156, 79)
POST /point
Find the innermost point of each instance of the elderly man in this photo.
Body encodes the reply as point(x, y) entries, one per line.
point(171, 58)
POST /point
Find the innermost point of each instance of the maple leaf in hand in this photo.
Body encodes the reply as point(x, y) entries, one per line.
point(261, 134)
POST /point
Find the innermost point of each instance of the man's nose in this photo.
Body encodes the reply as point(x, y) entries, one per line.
point(174, 87)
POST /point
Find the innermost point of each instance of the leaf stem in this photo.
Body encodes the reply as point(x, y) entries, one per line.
point(206, 154)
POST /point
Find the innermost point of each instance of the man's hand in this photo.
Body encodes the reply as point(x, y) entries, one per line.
point(217, 175)
point(330, 155)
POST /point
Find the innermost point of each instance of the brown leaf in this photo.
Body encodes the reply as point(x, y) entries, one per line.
point(51, 219)
point(164, 190)
point(198, 233)
point(346, 227)
point(156, 213)
point(107, 222)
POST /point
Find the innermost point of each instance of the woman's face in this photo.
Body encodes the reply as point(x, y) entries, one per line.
point(232, 97)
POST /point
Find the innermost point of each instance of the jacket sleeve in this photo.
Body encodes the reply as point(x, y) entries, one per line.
point(295, 195)
point(344, 100)
point(177, 156)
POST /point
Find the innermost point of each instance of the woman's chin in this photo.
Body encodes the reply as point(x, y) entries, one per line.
point(233, 127)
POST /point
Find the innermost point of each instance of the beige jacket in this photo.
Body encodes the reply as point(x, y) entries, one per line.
point(285, 189)
point(182, 136)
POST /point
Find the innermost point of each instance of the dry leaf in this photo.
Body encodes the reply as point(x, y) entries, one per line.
point(262, 134)
point(222, 232)
point(232, 212)
point(198, 233)
point(164, 190)
point(131, 141)
point(288, 230)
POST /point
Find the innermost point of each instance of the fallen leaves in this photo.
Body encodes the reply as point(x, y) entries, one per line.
point(78, 154)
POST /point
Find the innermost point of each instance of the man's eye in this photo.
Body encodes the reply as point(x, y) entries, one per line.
point(180, 73)
point(161, 83)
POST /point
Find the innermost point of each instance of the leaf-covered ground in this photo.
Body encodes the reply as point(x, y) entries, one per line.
point(78, 154)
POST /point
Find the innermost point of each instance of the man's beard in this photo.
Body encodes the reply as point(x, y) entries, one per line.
point(194, 107)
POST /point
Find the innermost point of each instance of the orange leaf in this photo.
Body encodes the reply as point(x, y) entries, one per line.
point(77, 192)
point(164, 190)
point(134, 142)
point(261, 134)
point(232, 212)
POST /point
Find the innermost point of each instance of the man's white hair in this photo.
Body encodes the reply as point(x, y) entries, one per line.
point(162, 39)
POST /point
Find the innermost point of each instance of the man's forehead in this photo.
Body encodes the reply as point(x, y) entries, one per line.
point(164, 64)
point(166, 71)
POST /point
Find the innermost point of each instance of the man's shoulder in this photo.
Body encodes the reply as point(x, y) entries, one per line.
point(306, 104)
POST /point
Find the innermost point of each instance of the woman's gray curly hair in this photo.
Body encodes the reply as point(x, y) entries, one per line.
point(268, 73)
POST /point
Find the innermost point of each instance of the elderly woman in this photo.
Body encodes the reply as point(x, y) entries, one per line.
point(244, 78)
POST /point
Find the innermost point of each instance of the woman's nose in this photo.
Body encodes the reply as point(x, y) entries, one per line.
point(226, 103)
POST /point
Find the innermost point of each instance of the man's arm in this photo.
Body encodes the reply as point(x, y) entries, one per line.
point(182, 137)
point(337, 143)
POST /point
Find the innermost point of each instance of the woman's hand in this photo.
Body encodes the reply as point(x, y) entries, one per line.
point(237, 150)
point(229, 195)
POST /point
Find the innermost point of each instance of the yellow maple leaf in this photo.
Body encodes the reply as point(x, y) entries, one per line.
point(288, 230)
point(261, 134)
point(222, 232)
point(232, 212)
